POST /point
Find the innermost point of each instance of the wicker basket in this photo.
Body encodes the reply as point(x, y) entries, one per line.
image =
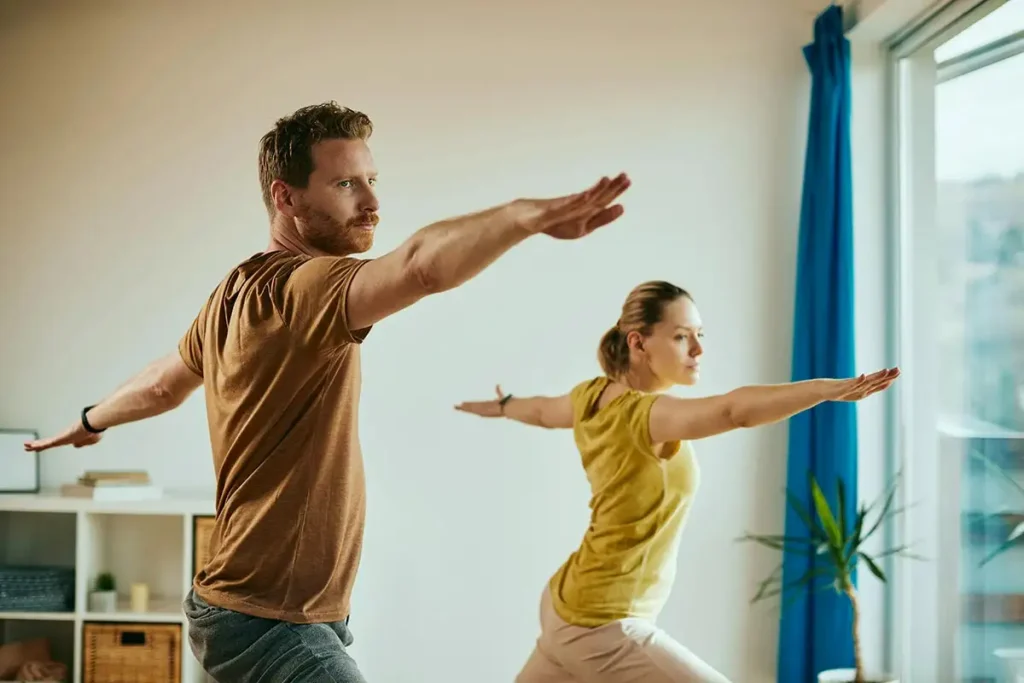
point(131, 653)
point(201, 542)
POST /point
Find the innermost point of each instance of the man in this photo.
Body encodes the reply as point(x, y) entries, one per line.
point(276, 348)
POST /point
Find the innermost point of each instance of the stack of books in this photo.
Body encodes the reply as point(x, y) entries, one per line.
point(111, 485)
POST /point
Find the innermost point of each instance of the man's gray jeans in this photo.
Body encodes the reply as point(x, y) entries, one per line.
point(238, 648)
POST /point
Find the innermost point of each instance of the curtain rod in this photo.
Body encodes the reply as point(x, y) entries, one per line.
point(850, 11)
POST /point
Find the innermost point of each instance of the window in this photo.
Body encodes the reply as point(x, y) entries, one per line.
point(959, 94)
point(1003, 22)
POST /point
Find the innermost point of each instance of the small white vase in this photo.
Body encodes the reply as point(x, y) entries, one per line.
point(850, 675)
point(103, 601)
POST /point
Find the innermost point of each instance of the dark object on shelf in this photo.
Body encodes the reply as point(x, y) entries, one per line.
point(147, 653)
point(36, 589)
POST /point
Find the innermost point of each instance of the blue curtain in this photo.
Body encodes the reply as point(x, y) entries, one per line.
point(814, 630)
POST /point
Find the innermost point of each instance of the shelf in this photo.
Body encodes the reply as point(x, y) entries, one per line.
point(149, 542)
point(162, 611)
point(135, 549)
point(45, 538)
point(37, 616)
point(48, 541)
point(59, 634)
point(174, 502)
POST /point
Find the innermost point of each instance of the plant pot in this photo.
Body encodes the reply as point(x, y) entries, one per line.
point(103, 601)
point(850, 675)
point(1013, 659)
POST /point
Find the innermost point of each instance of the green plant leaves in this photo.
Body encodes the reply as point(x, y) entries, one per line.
point(833, 541)
point(875, 569)
point(998, 469)
point(889, 498)
point(1012, 540)
point(841, 498)
point(803, 546)
point(813, 528)
point(828, 521)
point(772, 586)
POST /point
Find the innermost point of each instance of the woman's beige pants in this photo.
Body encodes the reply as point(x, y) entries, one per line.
point(624, 651)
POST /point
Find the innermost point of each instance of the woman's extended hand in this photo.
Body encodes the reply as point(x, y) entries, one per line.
point(857, 388)
point(492, 408)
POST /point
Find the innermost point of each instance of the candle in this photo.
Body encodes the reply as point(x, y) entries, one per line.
point(140, 597)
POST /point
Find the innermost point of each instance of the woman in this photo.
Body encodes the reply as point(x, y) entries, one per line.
point(599, 610)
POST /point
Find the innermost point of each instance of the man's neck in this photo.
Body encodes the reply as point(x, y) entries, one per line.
point(285, 237)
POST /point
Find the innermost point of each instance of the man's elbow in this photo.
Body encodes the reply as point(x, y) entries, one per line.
point(165, 398)
point(170, 383)
point(426, 278)
point(425, 271)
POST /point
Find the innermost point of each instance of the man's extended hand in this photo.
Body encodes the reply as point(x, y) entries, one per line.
point(162, 385)
point(575, 215)
point(75, 435)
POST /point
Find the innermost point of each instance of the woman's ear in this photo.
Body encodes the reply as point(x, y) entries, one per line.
point(635, 341)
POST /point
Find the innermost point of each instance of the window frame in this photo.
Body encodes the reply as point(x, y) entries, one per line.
point(922, 610)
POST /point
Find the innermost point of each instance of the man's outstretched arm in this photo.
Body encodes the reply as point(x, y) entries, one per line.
point(446, 254)
point(161, 386)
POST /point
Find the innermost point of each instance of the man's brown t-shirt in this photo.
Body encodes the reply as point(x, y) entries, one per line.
point(281, 376)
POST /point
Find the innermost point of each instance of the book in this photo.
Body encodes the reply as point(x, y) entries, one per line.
point(114, 478)
point(123, 492)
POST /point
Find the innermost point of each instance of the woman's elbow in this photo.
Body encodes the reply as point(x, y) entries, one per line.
point(736, 415)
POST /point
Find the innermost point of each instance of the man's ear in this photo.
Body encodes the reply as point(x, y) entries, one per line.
point(283, 197)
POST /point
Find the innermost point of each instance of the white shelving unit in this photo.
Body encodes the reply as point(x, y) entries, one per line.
point(143, 541)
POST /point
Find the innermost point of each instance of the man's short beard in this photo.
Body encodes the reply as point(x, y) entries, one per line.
point(326, 234)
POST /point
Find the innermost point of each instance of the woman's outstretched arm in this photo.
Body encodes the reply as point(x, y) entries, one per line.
point(680, 419)
point(550, 412)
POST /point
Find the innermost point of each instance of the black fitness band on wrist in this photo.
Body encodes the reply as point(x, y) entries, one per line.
point(502, 401)
point(85, 422)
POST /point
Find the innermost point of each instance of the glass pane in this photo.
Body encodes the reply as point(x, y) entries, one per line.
point(1000, 23)
point(980, 195)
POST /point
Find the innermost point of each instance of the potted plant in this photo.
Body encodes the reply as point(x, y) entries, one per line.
point(103, 597)
point(840, 544)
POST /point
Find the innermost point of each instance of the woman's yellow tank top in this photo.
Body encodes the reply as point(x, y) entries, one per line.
point(626, 564)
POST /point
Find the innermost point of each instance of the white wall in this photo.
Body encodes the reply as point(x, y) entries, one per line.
point(130, 187)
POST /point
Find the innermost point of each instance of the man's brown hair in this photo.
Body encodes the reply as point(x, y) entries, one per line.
point(286, 152)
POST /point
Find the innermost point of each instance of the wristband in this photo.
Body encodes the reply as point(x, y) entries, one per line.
point(502, 401)
point(85, 422)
